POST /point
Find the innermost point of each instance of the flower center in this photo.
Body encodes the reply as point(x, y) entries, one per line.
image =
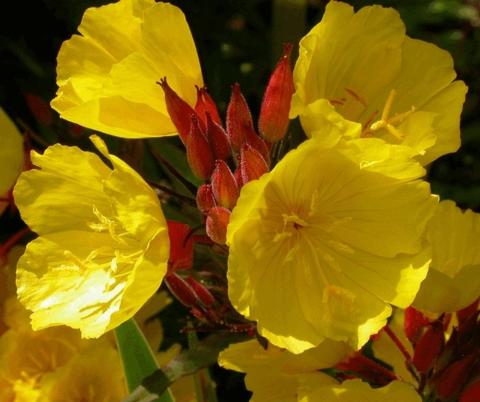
point(386, 121)
point(292, 220)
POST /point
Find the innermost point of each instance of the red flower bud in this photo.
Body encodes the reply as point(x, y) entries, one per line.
point(428, 347)
point(239, 119)
point(413, 323)
point(181, 290)
point(181, 246)
point(199, 155)
point(252, 164)
point(216, 224)
point(224, 185)
point(218, 140)
point(205, 198)
point(452, 379)
point(206, 105)
point(202, 292)
point(258, 144)
point(238, 177)
point(471, 392)
point(180, 111)
point(273, 121)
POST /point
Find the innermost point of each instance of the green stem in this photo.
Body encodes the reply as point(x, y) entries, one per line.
point(138, 359)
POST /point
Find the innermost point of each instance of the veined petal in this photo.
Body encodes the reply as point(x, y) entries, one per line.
point(333, 58)
point(103, 245)
point(411, 99)
point(321, 245)
point(107, 76)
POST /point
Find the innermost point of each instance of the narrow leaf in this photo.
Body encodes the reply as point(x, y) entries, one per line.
point(137, 358)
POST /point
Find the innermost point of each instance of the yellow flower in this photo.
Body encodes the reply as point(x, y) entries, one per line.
point(363, 67)
point(321, 245)
point(92, 376)
point(11, 155)
point(453, 281)
point(356, 390)
point(27, 355)
point(107, 75)
point(103, 245)
point(274, 374)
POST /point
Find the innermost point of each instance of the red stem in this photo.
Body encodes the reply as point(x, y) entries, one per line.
point(398, 343)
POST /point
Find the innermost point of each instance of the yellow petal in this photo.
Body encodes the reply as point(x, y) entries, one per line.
point(103, 245)
point(333, 57)
point(274, 374)
point(386, 350)
point(107, 76)
point(94, 375)
point(321, 245)
point(356, 390)
point(413, 85)
point(30, 355)
point(453, 281)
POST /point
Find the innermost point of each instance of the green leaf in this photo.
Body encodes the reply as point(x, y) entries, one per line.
point(137, 358)
point(190, 361)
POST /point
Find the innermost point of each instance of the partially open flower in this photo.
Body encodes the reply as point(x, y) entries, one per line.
point(325, 242)
point(364, 67)
point(103, 245)
point(107, 75)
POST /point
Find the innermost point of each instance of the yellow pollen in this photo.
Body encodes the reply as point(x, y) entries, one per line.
point(388, 122)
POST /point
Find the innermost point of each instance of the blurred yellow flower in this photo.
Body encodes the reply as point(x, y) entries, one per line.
point(94, 375)
point(28, 355)
point(107, 75)
point(11, 155)
point(363, 67)
point(453, 281)
point(274, 374)
point(356, 390)
point(103, 246)
point(325, 242)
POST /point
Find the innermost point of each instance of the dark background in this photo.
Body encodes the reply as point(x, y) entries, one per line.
point(239, 41)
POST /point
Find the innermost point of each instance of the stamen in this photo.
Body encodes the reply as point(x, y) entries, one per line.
point(357, 97)
point(389, 123)
point(388, 105)
point(338, 102)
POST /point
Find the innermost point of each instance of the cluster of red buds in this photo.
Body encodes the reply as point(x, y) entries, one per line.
point(449, 368)
point(445, 360)
point(228, 156)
